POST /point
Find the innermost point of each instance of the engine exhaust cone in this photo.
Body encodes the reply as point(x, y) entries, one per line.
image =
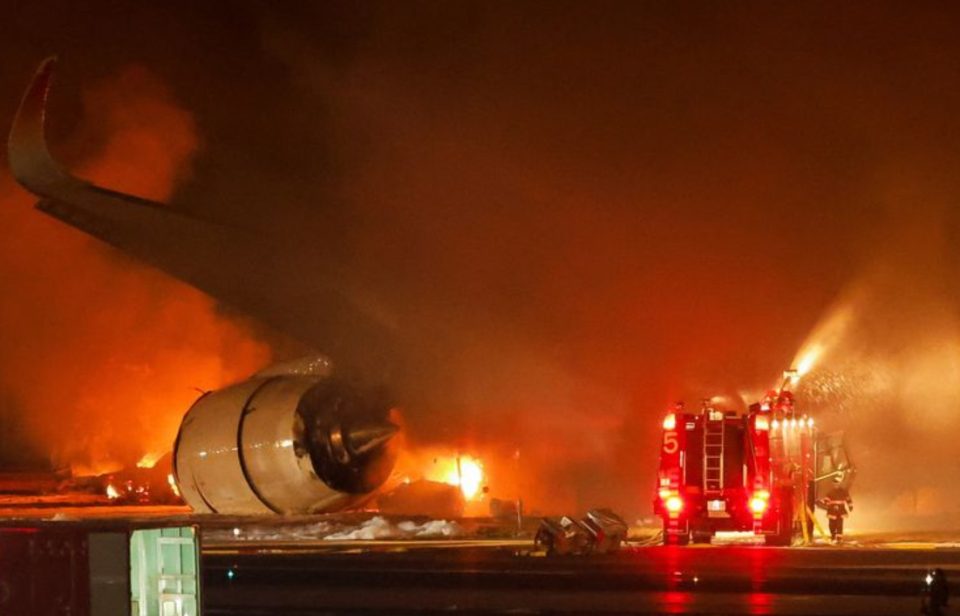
point(364, 438)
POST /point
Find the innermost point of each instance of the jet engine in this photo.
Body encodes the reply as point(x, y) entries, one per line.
point(292, 439)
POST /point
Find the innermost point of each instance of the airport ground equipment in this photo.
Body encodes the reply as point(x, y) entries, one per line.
point(100, 569)
point(601, 531)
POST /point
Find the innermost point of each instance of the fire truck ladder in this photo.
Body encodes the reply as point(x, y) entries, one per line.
point(713, 456)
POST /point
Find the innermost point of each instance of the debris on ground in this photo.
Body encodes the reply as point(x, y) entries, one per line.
point(600, 532)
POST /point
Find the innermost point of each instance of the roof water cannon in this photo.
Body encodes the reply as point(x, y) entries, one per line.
point(790, 378)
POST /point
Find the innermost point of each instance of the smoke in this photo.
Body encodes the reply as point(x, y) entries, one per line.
point(101, 356)
point(555, 235)
point(588, 215)
point(575, 215)
point(888, 365)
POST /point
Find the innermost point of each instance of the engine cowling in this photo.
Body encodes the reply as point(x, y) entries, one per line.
point(292, 439)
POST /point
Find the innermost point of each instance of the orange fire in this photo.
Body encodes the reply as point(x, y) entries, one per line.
point(125, 360)
point(463, 471)
point(94, 469)
point(112, 493)
point(149, 460)
point(173, 485)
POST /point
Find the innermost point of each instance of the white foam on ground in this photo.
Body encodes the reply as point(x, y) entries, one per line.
point(380, 528)
point(244, 533)
point(433, 528)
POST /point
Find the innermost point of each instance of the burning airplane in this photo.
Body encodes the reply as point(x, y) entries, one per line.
point(292, 439)
point(296, 438)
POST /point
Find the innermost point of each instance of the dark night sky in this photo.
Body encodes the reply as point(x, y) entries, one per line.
point(587, 209)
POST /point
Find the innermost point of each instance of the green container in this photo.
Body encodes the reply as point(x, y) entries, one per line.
point(145, 572)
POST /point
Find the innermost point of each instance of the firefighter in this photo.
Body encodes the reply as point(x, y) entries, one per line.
point(838, 505)
point(785, 402)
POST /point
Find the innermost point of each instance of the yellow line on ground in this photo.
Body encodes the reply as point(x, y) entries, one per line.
point(910, 546)
point(235, 547)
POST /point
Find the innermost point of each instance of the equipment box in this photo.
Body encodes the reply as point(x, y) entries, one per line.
point(99, 571)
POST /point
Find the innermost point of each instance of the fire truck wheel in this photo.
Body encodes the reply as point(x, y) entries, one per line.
point(778, 540)
point(784, 535)
point(701, 537)
point(676, 539)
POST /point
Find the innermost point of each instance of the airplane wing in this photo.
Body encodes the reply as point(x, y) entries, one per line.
point(259, 276)
point(146, 229)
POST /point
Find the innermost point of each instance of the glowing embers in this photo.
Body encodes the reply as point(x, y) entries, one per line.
point(112, 492)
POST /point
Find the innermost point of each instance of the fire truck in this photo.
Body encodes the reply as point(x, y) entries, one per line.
point(756, 472)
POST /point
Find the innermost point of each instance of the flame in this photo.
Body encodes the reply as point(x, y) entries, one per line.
point(149, 460)
point(468, 472)
point(173, 484)
point(112, 493)
point(141, 371)
point(95, 469)
point(463, 471)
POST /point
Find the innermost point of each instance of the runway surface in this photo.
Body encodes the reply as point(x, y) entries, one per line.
point(392, 578)
point(298, 566)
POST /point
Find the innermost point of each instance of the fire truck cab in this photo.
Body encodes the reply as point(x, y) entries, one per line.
point(724, 471)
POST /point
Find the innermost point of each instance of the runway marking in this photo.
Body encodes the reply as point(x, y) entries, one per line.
point(345, 546)
point(920, 545)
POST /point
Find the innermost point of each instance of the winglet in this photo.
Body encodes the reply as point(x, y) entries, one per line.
point(30, 160)
point(138, 226)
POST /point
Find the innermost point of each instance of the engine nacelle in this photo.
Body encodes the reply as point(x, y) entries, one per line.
point(292, 439)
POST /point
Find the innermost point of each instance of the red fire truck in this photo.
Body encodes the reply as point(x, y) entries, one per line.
point(723, 471)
